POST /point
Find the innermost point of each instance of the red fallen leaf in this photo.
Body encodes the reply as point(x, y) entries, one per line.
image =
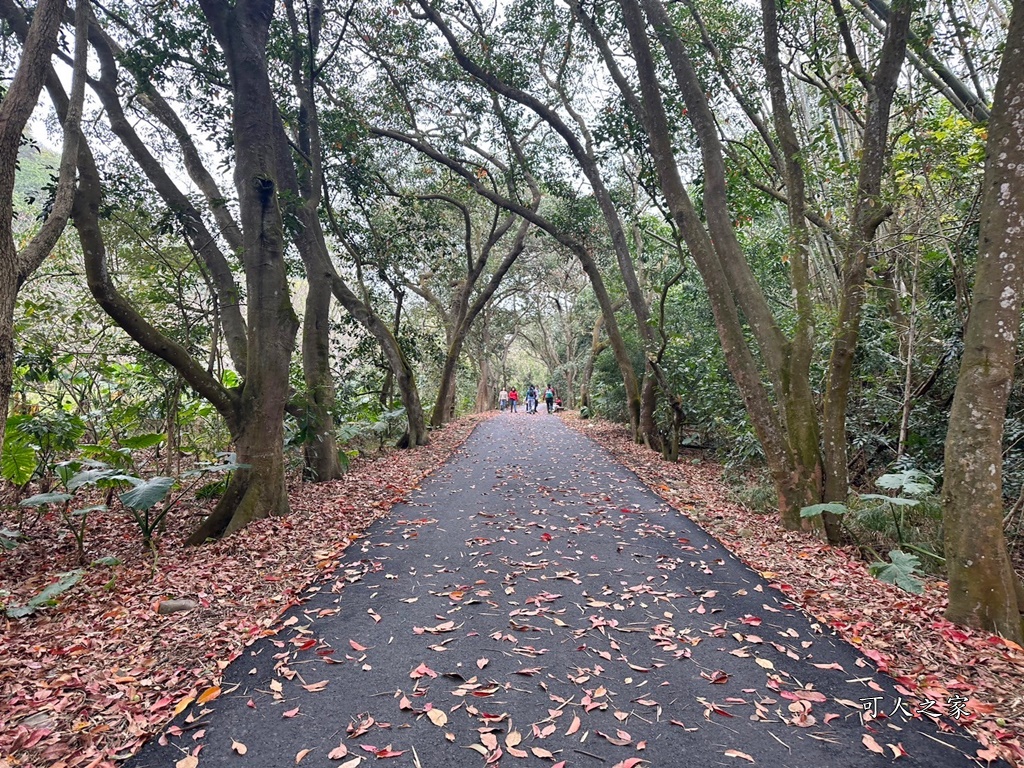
point(356, 646)
point(251, 704)
point(290, 713)
point(753, 621)
point(421, 671)
point(875, 656)
point(718, 677)
point(988, 755)
point(801, 695)
point(382, 752)
point(629, 762)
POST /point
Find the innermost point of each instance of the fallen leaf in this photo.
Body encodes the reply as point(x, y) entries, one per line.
point(437, 717)
point(338, 752)
point(191, 761)
point(301, 754)
point(574, 726)
point(239, 747)
point(208, 695)
point(869, 742)
point(737, 753)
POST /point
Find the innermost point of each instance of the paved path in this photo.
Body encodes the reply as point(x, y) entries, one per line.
point(535, 598)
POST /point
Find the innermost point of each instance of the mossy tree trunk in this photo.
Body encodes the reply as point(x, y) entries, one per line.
point(982, 584)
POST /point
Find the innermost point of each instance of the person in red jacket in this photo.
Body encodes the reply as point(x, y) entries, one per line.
point(513, 400)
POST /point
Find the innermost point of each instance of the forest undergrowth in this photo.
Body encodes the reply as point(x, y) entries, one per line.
point(86, 681)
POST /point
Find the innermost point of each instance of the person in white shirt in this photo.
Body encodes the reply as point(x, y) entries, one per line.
point(502, 399)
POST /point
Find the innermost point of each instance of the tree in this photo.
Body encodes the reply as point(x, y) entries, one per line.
point(254, 412)
point(39, 42)
point(983, 589)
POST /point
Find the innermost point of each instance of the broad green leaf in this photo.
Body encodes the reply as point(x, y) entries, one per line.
point(48, 596)
point(141, 442)
point(898, 501)
point(108, 560)
point(816, 509)
point(67, 581)
point(149, 493)
point(901, 571)
point(18, 462)
point(87, 510)
point(913, 482)
point(104, 478)
point(44, 498)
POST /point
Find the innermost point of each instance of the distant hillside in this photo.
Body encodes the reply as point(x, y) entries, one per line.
point(37, 168)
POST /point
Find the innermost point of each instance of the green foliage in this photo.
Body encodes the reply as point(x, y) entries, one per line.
point(18, 461)
point(9, 539)
point(147, 494)
point(42, 499)
point(817, 509)
point(902, 571)
point(48, 597)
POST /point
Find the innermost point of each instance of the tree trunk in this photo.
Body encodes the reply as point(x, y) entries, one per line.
point(982, 584)
point(444, 407)
point(483, 386)
point(242, 30)
point(260, 490)
point(868, 214)
point(39, 41)
point(648, 403)
point(320, 448)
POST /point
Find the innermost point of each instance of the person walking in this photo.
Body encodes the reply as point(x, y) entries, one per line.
point(549, 398)
point(531, 399)
point(513, 400)
point(502, 399)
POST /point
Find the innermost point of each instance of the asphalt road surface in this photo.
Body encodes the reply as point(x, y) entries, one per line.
point(532, 605)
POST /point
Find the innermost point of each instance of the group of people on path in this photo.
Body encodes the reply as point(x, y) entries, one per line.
point(509, 399)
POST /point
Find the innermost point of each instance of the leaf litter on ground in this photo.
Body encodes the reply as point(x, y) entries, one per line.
point(73, 694)
point(906, 635)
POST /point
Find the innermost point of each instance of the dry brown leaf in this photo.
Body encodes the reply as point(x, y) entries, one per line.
point(438, 717)
point(191, 761)
point(338, 752)
point(740, 755)
point(869, 742)
point(301, 754)
point(239, 747)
